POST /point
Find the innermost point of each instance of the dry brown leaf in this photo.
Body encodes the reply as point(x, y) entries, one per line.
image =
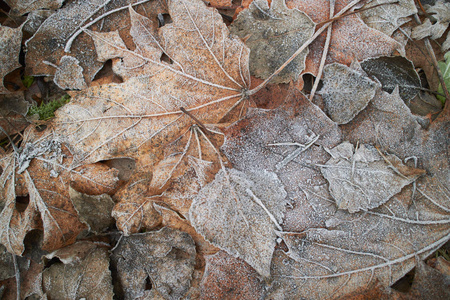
point(207, 76)
point(21, 7)
point(273, 35)
point(11, 40)
point(13, 111)
point(346, 92)
point(239, 213)
point(82, 271)
point(362, 178)
point(387, 17)
point(230, 278)
point(351, 39)
point(165, 258)
point(65, 29)
point(356, 249)
point(35, 184)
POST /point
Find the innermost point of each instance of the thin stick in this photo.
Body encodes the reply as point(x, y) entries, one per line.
point(299, 50)
point(17, 271)
point(324, 54)
point(200, 124)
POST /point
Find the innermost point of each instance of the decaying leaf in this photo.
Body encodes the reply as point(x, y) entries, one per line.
point(289, 141)
point(63, 33)
point(21, 7)
point(387, 17)
point(81, 272)
point(351, 39)
point(441, 12)
point(346, 92)
point(357, 249)
point(93, 210)
point(394, 71)
point(239, 213)
point(69, 74)
point(13, 111)
point(230, 278)
point(273, 35)
point(362, 179)
point(10, 39)
point(207, 76)
point(166, 258)
point(386, 122)
point(34, 186)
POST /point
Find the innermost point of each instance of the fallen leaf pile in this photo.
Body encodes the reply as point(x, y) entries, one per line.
point(197, 160)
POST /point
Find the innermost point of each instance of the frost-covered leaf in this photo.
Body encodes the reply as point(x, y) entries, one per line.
point(21, 7)
point(273, 35)
point(166, 258)
point(289, 141)
point(394, 71)
point(81, 272)
point(386, 122)
point(351, 39)
point(387, 17)
point(10, 39)
point(441, 12)
point(362, 179)
point(34, 186)
point(65, 29)
point(239, 213)
point(345, 92)
point(138, 118)
point(358, 249)
point(227, 277)
point(69, 74)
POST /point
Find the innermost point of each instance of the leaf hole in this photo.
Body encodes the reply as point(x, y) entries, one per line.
point(178, 254)
point(106, 74)
point(41, 128)
point(164, 19)
point(125, 166)
point(51, 262)
point(22, 203)
point(166, 59)
point(404, 284)
point(148, 284)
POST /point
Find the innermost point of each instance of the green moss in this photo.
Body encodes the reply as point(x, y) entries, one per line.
point(445, 69)
point(46, 111)
point(27, 81)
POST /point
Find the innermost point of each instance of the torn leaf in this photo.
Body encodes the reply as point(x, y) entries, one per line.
point(11, 40)
point(239, 213)
point(165, 258)
point(362, 178)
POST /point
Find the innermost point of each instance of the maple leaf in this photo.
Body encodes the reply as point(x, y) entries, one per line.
point(208, 77)
point(62, 34)
point(21, 7)
point(34, 185)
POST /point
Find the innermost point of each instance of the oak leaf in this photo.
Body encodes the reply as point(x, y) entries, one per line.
point(34, 185)
point(11, 40)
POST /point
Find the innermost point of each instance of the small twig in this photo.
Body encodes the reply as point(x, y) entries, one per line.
point(326, 47)
point(17, 275)
point(200, 124)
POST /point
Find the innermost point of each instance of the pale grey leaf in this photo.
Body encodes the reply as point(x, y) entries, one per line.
point(69, 74)
point(345, 92)
point(366, 179)
point(239, 212)
point(10, 39)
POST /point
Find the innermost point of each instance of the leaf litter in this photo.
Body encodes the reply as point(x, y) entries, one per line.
point(200, 186)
